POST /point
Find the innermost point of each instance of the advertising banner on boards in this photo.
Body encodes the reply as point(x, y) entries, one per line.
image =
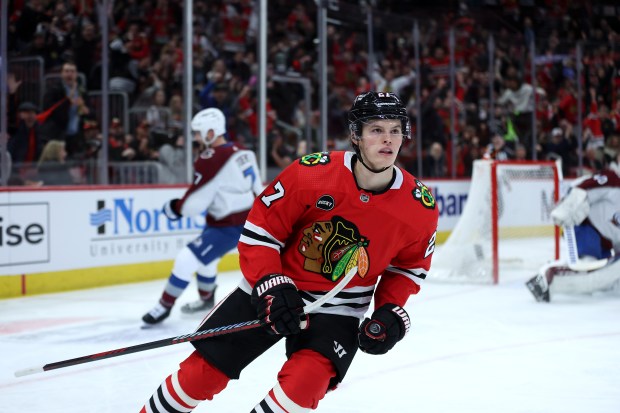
point(47, 230)
point(52, 230)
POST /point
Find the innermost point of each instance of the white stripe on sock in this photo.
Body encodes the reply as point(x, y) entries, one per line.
point(160, 407)
point(172, 401)
point(181, 393)
point(147, 405)
point(257, 409)
point(284, 401)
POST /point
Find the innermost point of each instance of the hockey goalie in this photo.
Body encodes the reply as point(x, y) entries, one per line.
point(591, 212)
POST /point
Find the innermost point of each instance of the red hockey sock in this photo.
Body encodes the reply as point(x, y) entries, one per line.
point(183, 390)
point(305, 377)
point(199, 379)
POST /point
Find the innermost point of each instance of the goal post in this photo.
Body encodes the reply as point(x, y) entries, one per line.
point(506, 223)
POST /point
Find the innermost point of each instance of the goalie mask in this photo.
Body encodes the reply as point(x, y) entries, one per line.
point(206, 120)
point(376, 105)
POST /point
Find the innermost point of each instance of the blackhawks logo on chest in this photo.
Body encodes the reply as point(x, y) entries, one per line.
point(331, 248)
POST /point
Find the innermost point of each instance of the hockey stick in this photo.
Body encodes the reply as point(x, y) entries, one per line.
point(198, 335)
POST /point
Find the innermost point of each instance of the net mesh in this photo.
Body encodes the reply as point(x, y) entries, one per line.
point(525, 197)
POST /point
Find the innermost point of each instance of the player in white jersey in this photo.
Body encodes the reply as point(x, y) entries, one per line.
point(226, 181)
point(593, 208)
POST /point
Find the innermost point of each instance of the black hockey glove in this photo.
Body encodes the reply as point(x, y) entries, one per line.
point(279, 305)
point(170, 210)
point(387, 326)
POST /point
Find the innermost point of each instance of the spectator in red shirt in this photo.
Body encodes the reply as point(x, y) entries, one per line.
point(161, 20)
point(592, 125)
point(567, 103)
point(439, 63)
point(248, 111)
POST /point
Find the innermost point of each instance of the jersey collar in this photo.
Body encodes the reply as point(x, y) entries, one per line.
point(397, 182)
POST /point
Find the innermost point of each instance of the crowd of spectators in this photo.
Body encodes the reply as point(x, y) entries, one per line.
point(146, 65)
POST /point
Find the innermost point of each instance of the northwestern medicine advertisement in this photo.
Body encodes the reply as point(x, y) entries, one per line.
point(52, 230)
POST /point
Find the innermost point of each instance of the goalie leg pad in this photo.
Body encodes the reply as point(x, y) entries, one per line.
point(582, 282)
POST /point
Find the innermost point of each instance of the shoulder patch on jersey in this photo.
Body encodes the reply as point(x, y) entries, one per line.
point(207, 153)
point(600, 179)
point(331, 248)
point(423, 194)
point(313, 159)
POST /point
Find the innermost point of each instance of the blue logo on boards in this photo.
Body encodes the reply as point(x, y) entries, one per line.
point(451, 204)
point(124, 217)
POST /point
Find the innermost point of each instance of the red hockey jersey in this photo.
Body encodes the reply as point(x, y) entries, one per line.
point(313, 223)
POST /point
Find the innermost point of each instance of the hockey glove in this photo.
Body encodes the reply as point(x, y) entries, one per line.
point(279, 305)
point(169, 210)
point(387, 326)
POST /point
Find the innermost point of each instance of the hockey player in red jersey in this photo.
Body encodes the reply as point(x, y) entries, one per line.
point(226, 181)
point(592, 207)
point(322, 216)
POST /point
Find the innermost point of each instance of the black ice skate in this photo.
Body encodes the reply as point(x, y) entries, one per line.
point(158, 314)
point(199, 305)
point(538, 288)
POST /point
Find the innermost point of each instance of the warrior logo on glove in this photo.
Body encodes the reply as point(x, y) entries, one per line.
point(332, 248)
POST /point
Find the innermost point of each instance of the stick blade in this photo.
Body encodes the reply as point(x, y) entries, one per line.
point(27, 372)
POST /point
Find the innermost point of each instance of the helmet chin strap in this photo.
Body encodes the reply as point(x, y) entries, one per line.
point(209, 142)
point(358, 152)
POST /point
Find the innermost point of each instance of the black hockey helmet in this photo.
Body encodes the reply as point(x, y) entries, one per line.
point(377, 105)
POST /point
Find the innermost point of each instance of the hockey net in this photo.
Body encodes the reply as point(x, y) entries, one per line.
point(505, 225)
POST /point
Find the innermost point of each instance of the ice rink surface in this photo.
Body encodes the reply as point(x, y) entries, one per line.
point(472, 348)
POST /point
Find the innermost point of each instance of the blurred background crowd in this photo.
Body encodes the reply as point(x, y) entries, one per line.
point(501, 101)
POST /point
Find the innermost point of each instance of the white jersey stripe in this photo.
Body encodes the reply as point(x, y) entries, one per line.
point(260, 231)
point(337, 305)
point(417, 275)
point(251, 241)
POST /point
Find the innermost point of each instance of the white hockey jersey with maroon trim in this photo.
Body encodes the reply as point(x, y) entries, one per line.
point(603, 191)
point(226, 181)
point(313, 223)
